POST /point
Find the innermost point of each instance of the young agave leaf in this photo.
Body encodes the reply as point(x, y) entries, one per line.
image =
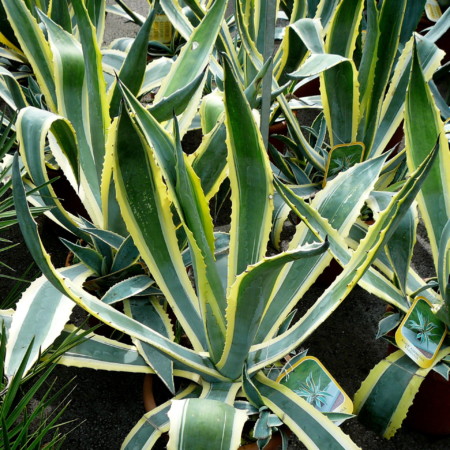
point(195, 420)
point(127, 288)
point(385, 396)
point(309, 425)
point(423, 127)
point(40, 316)
point(126, 255)
point(377, 236)
point(147, 431)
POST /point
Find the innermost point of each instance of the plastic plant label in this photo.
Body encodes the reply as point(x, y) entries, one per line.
point(162, 29)
point(309, 379)
point(421, 334)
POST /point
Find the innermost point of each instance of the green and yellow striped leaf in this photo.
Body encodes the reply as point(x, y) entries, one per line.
point(399, 248)
point(133, 68)
point(341, 106)
point(195, 54)
point(250, 179)
point(147, 431)
point(34, 126)
point(247, 299)
point(385, 396)
point(154, 232)
point(390, 25)
point(100, 353)
point(196, 422)
point(40, 316)
point(184, 189)
point(423, 127)
point(312, 428)
point(34, 46)
point(10, 90)
point(339, 203)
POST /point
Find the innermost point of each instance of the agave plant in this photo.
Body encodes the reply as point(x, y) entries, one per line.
point(371, 64)
point(226, 310)
point(423, 127)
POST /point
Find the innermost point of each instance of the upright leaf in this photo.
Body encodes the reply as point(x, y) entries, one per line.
point(251, 181)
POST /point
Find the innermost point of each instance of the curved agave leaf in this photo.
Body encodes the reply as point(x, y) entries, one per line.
point(40, 316)
point(33, 127)
point(10, 90)
point(34, 46)
point(310, 32)
point(147, 431)
point(385, 396)
point(194, 422)
point(291, 52)
point(309, 425)
point(247, 299)
point(361, 259)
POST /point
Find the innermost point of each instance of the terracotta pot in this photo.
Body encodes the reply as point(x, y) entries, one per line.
point(150, 403)
point(278, 128)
